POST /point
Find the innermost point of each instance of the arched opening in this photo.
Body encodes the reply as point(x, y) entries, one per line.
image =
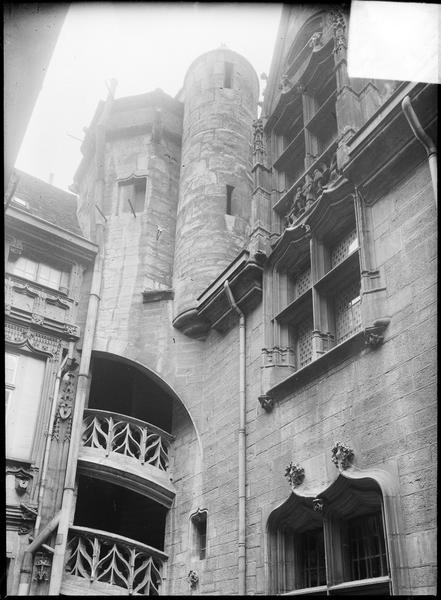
point(107, 507)
point(121, 387)
point(137, 436)
point(332, 544)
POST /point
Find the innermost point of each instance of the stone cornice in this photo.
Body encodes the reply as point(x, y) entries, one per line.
point(49, 236)
point(384, 149)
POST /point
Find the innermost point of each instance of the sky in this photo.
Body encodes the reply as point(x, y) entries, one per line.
point(144, 46)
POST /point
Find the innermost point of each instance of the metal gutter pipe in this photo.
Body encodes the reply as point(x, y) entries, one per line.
point(241, 443)
point(425, 140)
point(67, 506)
point(26, 568)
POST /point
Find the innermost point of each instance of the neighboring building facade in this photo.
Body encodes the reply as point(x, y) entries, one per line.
point(253, 374)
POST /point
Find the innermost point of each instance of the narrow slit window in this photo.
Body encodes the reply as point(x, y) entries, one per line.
point(230, 189)
point(132, 196)
point(228, 75)
point(199, 521)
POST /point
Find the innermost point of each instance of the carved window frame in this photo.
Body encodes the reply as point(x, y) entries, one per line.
point(297, 517)
point(51, 355)
point(310, 245)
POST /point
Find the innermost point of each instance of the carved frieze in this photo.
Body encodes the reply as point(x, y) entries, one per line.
point(278, 356)
point(29, 302)
point(20, 335)
point(311, 188)
point(295, 474)
point(342, 455)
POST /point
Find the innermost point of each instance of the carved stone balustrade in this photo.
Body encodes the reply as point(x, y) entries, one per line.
point(127, 451)
point(103, 563)
point(131, 437)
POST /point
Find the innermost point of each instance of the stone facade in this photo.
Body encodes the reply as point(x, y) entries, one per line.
point(350, 419)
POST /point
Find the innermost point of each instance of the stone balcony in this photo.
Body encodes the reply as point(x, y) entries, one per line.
point(128, 452)
point(99, 563)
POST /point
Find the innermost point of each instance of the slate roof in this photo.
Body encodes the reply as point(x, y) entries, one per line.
point(48, 202)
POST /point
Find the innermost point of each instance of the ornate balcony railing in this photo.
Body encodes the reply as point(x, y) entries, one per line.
point(125, 435)
point(103, 558)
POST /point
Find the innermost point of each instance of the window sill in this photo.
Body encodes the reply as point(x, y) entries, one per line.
point(319, 590)
point(318, 366)
point(347, 586)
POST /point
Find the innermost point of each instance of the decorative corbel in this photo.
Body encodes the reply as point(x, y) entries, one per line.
point(318, 505)
point(22, 480)
point(193, 579)
point(374, 336)
point(295, 474)
point(342, 455)
point(266, 402)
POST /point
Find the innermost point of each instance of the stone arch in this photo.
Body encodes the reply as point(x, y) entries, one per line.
point(157, 379)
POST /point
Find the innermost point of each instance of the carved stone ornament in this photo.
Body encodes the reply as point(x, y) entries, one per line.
point(338, 24)
point(318, 504)
point(295, 474)
point(20, 335)
point(285, 83)
point(72, 330)
point(311, 188)
point(63, 419)
point(37, 319)
point(193, 579)
point(22, 480)
point(42, 567)
point(64, 410)
point(342, 455)
point(266, 402)
point(258, 138)
point(315, 41)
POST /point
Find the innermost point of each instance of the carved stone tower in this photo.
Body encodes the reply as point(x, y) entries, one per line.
point(220, 98)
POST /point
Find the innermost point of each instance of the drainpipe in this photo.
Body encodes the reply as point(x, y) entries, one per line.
point(242, 443)
point(425, 140)
point(49, 439)
point(86, 353)
point(26, 568)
